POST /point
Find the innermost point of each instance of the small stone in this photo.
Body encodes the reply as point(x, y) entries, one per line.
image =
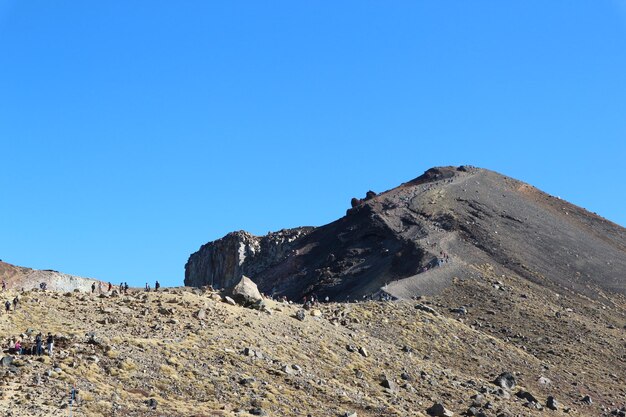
point(477, 400)
point(438, 410)
point(505, 380)
point(587, 400)
point(502, 393)
point(152, 403)
point(230, 301)
point(426, 309)
point(388, 383)
point(300, 315)
point(525, 395)
point(247, 381)
point(461, 311)
point(472, 411)
point(552, 404)
point(363, 352)
point(544, 381)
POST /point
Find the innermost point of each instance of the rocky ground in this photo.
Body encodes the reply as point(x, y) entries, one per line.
point(187, 352)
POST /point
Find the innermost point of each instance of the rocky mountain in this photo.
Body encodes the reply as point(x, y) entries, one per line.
point(417, 238)
point(27, 278)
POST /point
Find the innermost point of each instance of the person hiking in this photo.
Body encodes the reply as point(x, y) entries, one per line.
point(15, 303)
point(50, 344)
point(18, 348)
point(157, 286)
point(7, 305)
point(73, 396)
point(110, 287)
point(93, 287)
point(4, 285)
point(38, 342)
point(126, 287)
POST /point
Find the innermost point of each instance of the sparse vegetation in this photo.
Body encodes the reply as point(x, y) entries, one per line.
point(199, 367)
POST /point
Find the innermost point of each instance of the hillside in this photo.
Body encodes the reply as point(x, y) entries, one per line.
point(19, 278)
point(185, 352)
point(394, 239)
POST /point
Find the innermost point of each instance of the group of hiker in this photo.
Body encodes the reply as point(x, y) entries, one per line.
point(36, 346)
point(95, 285)
point(15, 302)
point(123, 287)
point(311, 301)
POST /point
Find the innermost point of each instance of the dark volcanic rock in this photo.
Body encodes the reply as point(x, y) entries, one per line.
point(415, 238)
point(552, 403)
point(438, 410)
point(525, 395)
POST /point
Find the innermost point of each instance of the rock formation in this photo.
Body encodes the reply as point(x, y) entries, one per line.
point(223, 262)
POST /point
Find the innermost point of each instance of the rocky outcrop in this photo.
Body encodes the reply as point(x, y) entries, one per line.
point(223, 262)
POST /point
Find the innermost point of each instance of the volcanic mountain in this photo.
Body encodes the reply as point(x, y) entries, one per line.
point(417, 238)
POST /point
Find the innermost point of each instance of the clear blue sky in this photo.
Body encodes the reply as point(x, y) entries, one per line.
point(133, 132)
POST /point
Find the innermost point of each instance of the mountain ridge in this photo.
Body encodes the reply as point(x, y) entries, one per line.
point(471, 214)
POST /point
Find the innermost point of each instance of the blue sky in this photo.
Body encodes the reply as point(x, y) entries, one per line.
point(133, 132)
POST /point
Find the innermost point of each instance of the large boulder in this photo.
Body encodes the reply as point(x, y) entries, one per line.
point(246, 292)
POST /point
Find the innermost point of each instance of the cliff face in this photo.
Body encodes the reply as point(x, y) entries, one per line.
point(223, 262)
point(394, 242)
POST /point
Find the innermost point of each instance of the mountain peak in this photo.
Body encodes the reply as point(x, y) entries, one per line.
point(392, 243)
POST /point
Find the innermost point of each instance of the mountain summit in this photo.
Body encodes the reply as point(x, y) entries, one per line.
point(416, 238)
